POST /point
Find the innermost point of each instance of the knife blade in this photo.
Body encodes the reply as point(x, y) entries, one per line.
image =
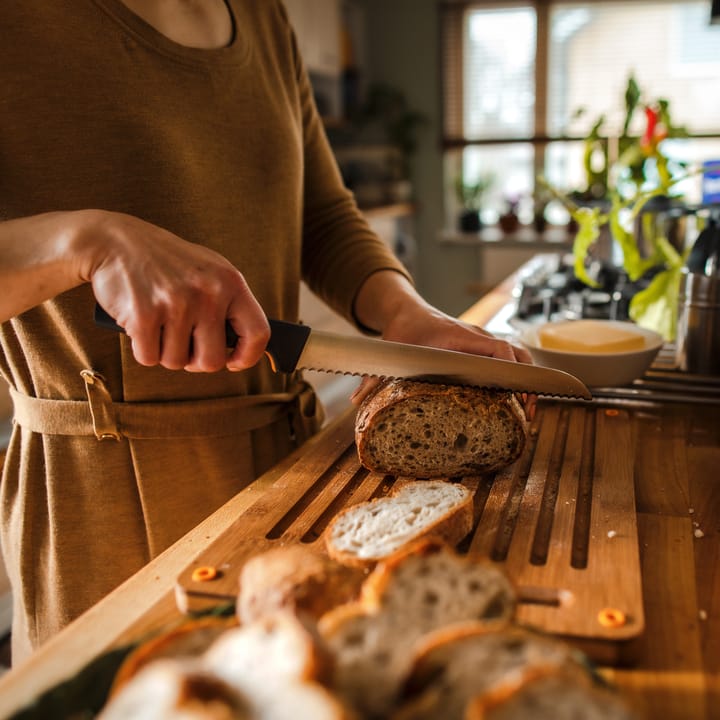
point(293, 346)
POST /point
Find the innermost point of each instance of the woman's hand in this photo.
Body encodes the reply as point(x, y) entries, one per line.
point(172, 297)
point(388, 302)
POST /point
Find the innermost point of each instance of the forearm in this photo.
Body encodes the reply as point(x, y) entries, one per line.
point(38, 260)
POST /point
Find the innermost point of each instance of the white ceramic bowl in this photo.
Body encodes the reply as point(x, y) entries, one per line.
point(596, 369)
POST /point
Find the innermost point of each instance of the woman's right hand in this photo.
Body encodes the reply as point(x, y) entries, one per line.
point(172, 297)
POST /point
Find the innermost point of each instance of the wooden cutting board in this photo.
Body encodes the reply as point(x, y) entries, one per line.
point(561, 521)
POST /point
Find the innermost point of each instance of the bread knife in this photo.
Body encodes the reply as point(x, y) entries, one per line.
point(294, 346)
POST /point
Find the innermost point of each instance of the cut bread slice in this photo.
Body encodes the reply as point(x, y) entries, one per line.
point(189, 640)
point(290, 648)
point(425, 430)
point(457, 664)
point(172, 689)
point(548, 694)
point(363, 534)
point(277, 663)
point(294, 577)
point(424, 587)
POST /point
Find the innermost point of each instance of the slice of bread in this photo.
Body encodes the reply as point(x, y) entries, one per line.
point(294, 577)
point(363, 534)
point(457, 664)
point(548, 694)
point(189, 640)
point(278, 663)
point(172, 689)
point(423, 430)
point(290, 648)
point(424, 587)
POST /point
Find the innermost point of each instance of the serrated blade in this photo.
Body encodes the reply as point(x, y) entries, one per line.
point(349, 355)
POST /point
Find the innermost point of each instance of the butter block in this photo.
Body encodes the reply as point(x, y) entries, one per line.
point(589, 336)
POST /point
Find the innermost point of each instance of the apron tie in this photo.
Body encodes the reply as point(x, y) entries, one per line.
point(106, 419)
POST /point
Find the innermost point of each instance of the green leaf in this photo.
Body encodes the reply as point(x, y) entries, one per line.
point(589, 221)
point(655, 307)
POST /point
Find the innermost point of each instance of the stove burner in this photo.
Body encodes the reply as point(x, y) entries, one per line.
point(552, 291)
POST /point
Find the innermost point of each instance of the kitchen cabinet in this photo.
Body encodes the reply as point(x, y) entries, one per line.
point(317, 25)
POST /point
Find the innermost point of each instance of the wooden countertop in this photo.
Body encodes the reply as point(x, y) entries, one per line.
point(676, 671)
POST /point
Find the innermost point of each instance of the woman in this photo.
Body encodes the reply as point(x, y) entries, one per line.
point(165, 159)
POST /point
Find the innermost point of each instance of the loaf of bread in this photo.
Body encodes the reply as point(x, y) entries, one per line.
point(425, 430)
point(424, 587)
point(457, 664)
point(363, 534)
point(294, 577)
point(548, 694)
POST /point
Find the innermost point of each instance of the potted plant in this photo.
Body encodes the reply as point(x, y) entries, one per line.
point(469, 196)
point(624, 198)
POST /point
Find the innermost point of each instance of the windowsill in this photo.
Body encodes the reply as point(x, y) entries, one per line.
point(525, 236)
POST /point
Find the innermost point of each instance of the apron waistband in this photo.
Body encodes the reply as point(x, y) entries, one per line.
point(109, 420)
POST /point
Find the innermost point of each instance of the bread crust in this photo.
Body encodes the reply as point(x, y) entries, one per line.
point(547, 680)
point(421, 429)
point(294, 577)
point(189, 640)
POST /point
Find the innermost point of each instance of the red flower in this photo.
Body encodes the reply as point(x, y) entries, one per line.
point(655, 131)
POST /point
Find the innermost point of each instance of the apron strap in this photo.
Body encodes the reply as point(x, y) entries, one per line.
point(108, 420)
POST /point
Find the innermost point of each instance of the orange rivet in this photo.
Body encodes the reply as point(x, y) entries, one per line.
point(612, 618)
point(204, 573)
point(612, 413)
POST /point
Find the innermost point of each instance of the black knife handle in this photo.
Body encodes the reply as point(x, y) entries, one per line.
point(284, 348)
point(103, 319)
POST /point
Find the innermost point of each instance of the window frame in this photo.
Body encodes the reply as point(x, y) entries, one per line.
point(450, 17)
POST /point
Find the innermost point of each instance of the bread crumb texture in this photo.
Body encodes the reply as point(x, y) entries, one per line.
point(424, 430)
point(375, 529)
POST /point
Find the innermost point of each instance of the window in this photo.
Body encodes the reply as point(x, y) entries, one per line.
point(525, 82)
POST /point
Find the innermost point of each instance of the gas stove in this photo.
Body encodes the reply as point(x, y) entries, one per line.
point(550, 291)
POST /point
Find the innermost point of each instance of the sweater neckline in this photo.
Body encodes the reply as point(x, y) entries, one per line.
point(234, 53)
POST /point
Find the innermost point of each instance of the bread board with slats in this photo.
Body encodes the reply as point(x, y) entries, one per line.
point(561, 521)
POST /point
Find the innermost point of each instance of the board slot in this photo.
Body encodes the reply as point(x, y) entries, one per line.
point(546, 512)
point(511, 508)
point(335, 476)
point(583, 502)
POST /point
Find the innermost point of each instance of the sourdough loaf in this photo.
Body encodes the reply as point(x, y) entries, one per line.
point(423, 430)
point(424, 587)
point(362, 534)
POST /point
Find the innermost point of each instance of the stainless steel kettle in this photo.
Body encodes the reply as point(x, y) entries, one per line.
point(698, 326)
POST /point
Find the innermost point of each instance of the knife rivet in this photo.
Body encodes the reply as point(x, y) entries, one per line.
point(612, 413)
point(204, 573)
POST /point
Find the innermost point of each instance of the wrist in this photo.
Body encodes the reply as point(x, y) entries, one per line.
point(385, 297)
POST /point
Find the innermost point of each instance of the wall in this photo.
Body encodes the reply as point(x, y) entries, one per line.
point(402, 49)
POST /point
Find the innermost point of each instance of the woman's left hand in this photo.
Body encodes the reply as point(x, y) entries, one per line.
point(417, 323)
